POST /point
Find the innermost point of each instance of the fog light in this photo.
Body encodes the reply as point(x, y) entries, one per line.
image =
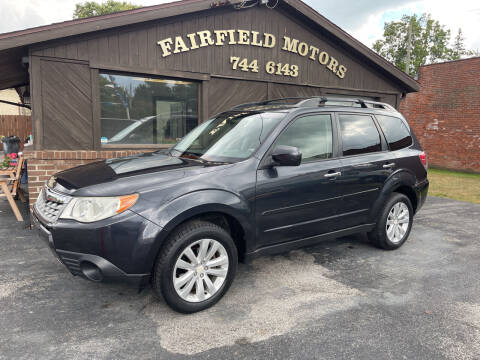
point(91, 271)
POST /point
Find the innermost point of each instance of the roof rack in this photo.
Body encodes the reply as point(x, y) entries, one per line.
point(317, 101)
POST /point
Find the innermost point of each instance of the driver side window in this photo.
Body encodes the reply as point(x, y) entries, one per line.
point(312, 135)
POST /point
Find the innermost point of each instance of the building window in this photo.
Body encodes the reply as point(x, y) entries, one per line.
point(141, 110)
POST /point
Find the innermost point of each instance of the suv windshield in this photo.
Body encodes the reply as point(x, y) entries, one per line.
point(230, 137)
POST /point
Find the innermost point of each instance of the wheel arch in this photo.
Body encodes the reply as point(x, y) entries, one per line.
point(225, 209)
point(402, 182)
point(410, 193)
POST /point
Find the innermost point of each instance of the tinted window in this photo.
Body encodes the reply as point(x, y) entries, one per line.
point(359, 134)
point(396, 133)
point(312, 135)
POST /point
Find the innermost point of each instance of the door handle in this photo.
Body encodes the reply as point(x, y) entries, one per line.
point(389, 166)
point(331, 175)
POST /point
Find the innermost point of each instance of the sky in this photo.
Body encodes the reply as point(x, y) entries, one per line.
point(363, 19)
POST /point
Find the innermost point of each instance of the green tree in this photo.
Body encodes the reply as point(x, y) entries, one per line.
point(92, 8)
point(414, 41)
point(458, 49)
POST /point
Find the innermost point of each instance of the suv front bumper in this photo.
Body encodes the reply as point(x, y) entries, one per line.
point(86, 265)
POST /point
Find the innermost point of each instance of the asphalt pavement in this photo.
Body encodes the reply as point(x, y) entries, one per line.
point(342, 299)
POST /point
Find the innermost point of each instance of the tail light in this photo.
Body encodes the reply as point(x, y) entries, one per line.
point(423, 159)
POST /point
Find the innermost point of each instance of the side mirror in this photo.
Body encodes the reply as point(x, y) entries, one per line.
point(287, 156)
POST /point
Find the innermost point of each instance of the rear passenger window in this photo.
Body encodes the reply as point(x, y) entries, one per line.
point(359, 134)
point(396, 133)
point(312, 135)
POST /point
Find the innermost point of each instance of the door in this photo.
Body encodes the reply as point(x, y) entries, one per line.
point(366, 165)
point(299, 201)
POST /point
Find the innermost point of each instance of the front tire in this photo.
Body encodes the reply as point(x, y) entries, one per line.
point(394, 223)
point(196, 266)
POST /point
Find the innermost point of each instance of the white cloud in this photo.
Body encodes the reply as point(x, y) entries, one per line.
point(351, 14)
point(24, 14)
point(465, 14)
point(370, 30)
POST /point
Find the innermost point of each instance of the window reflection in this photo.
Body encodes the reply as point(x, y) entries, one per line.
point(359, 134)
point(139, 110)
point(312, 135)
point(232, 136)
point(396, 133)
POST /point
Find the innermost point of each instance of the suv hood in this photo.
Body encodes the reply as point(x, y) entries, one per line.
point(112, 170)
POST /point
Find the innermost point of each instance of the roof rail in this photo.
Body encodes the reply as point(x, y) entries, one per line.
point(281, 102)
point(317, 101)
point(355, 102)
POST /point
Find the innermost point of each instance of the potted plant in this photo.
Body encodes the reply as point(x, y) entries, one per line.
point(9, 160)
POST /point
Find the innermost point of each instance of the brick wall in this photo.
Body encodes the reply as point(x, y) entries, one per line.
point(43, 164)
point(445, 114)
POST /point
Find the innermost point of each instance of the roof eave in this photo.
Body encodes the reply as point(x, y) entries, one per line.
point(97, 23)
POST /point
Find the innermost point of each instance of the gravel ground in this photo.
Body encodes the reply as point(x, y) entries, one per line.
point(341, 299)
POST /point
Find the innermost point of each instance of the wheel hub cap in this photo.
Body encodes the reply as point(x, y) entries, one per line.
point(398, 221)
point(200, 270)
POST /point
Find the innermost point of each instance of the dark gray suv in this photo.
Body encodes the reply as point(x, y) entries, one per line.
point(258, 179)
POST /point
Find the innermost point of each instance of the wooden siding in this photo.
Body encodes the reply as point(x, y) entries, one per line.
point(135, 47)
point(66, 105)
point(18, 125)
point(285, 90)
point(223, 94)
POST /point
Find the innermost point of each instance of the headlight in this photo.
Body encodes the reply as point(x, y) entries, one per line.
point(90, 209)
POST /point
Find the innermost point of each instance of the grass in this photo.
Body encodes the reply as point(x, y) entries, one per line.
point(454, 185)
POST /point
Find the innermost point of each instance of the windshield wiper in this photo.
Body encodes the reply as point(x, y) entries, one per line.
point(208, 162)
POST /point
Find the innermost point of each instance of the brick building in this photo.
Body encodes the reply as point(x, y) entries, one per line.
point(445, 113)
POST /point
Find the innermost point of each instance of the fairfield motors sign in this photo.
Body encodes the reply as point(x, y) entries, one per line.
point(205, 38)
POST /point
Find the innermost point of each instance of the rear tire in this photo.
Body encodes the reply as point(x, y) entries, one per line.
point(394, 223)
point(196, 266)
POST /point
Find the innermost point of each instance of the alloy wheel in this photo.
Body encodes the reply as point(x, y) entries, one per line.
point(200, 270)
point(398, 221)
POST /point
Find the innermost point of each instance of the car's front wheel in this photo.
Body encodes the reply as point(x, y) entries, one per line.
point(394, 223)
point(196, 266)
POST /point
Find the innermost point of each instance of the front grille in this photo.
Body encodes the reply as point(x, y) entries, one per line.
point(50, 204)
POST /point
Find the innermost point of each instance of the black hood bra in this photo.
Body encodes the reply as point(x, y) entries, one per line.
point(109, 170)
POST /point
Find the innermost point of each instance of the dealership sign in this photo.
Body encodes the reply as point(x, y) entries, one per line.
point(200, 39)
